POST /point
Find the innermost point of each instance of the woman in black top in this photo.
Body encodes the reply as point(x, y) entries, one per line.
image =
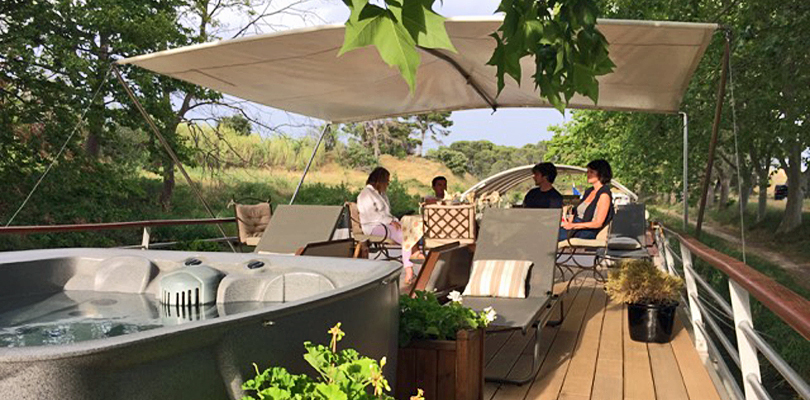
point(596, 208)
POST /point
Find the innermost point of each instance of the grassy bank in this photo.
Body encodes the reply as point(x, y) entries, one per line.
point(789, 344)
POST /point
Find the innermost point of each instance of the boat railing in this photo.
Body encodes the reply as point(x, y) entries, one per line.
point(145, 225)
point(707, 309)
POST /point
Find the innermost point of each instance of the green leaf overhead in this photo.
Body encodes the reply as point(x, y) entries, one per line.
point(396, 31)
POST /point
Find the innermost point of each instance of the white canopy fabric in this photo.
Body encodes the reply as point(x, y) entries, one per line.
point(504, 181)
point(299, 71)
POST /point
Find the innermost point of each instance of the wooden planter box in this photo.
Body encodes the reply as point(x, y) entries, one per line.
point(444, 369)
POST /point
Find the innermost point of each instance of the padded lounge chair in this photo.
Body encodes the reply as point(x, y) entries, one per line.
point(521, 234)
point(294, 226)
point(251, 221)
point(628, 235)
point(378, 244)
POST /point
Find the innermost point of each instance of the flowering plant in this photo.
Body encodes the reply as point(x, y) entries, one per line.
point(344, 375)
point(422, 317)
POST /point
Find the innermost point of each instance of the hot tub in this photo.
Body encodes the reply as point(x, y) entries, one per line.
point(90, 323)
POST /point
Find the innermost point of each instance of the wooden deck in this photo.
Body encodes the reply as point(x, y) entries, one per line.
point(590, 356)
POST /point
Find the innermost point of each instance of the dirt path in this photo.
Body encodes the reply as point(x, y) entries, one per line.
point(799, 269)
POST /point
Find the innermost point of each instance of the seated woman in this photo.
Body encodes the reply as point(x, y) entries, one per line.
point(375, 214)
point(596, 208)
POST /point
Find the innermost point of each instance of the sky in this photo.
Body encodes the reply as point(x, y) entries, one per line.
point(511, 127)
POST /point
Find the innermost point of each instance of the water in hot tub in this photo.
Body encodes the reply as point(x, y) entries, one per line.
point(75, 316)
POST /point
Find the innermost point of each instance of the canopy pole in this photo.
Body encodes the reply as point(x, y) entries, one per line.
point(465, 74)
point(309, 164)
point(718, 111)
point(169, 150)
point(685, 195)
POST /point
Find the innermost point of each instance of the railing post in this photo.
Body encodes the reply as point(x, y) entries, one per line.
point(749, 364)
point(692, 295)
point(145, 238)
point(669, 260)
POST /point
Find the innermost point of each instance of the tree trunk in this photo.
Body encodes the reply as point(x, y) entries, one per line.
point(375, 140)
point(725, 188)
point(793, 169)
point(747, 188)
point(710, 194)
point(168, 184)
point(95, 116)
point(763, 199)
point(420, 149)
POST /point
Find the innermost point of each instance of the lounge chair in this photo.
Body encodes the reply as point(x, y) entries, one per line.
point(343, 248)
point(294, 226)
point(251, 221)
point(378, 244)
point(628, 234)
point(446, 268)
point(521, 234)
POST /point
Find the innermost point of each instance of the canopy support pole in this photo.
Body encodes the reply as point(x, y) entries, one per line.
point(309, 164)
point(465, 74)
point(685, 195)
point(718, 111)
point(171, 152)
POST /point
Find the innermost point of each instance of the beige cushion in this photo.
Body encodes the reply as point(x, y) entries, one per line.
point(498, 278)
point(252, 220)
point(586, 243)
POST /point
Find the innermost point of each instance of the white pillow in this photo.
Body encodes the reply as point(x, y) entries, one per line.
point(498, 278)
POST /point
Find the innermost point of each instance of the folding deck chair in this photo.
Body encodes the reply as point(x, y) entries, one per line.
point(294, 226)
point(592, 251)
point(521, 234)
point(380, 244)
point(628, 235)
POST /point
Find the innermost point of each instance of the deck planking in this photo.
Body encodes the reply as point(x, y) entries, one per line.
point(590, 356)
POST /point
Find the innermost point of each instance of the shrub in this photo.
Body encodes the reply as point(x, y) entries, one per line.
point(456, 161)
point(422, 317)
point(344, 375)
point(357, 156)
point(640, 281)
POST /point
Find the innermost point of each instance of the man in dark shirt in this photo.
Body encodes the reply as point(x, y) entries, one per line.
point(544, 195)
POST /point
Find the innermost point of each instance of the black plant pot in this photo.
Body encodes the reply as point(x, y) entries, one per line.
point(651, 323)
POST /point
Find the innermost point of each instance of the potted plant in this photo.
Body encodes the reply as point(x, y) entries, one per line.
point(651, 297)
point(343, 375)
point(441, 348)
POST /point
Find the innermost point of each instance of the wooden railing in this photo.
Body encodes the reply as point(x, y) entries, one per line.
point(704, 303)
point(145, 225)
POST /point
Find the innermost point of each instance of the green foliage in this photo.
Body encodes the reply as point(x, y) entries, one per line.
point(343, 375)
point(561, 35)
point(641, 282)
point(422, 317)
point(402, 203)
point(485, 158)
point(238, 123)
point(357, 156)
point(395, 30)
point(455, 160)
point(319, 193)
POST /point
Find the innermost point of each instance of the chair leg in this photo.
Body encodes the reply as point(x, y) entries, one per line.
point(535, 368)
point(562, 312)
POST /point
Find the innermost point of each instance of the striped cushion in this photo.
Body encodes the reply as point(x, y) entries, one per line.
point(498, 278)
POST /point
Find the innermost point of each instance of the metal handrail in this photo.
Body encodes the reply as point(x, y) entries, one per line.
point(790, 375)
point(787, 305)
point(744, 281)
point(730, 350)
point(24, 230)
point(716, 296)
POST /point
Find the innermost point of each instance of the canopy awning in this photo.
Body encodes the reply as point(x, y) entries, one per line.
point(299, 71)
point(504, 181)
